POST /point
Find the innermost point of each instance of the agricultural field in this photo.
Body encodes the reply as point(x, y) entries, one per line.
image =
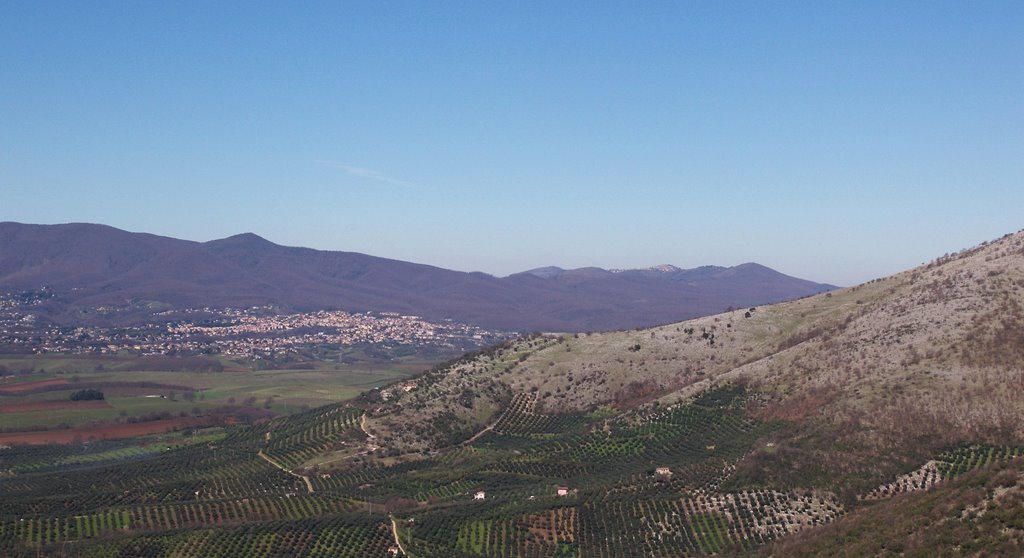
point(66, 496)
point(655, 482)
point(261, 490)
point(263, 482)
point(35, 392)
point(615, 502)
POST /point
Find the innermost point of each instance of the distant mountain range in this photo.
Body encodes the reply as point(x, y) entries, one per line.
point(88, 266)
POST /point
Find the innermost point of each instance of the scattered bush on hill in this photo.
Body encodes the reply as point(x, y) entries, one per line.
point(87, 395)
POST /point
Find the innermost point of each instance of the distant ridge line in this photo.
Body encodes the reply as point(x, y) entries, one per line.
point(90, 265)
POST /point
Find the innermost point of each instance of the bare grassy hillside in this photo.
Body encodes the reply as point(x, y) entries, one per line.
point(913, 362)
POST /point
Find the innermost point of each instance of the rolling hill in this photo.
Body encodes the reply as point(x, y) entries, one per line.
point(854, 388)
point(931, 343)
point(93, 265)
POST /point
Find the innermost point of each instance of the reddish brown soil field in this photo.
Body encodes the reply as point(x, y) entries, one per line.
point(109, 432)
point(51, 405)
point(22, 387)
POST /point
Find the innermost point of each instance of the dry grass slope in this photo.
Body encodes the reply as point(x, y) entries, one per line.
point(920, 360)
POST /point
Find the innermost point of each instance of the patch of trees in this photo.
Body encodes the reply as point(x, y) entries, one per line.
point(635, 393)
point(467, 397)
point(448, 430)
point(87, 395)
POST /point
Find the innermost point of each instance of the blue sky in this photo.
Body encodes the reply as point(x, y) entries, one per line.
point(837, 141)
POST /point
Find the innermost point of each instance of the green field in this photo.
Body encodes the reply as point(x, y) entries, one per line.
point(176, 392)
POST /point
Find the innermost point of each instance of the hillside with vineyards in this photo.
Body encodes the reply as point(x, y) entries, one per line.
point(882, 419)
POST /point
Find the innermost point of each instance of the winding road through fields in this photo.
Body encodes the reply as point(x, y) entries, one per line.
point(309, 485)
point(394, 533)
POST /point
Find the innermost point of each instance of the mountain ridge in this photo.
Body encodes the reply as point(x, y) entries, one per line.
point(96, 265)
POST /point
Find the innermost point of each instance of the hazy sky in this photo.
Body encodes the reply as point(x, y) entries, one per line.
point(837, 141)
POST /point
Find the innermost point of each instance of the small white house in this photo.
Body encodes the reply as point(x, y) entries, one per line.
point(480, 495)
point(562, 491)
